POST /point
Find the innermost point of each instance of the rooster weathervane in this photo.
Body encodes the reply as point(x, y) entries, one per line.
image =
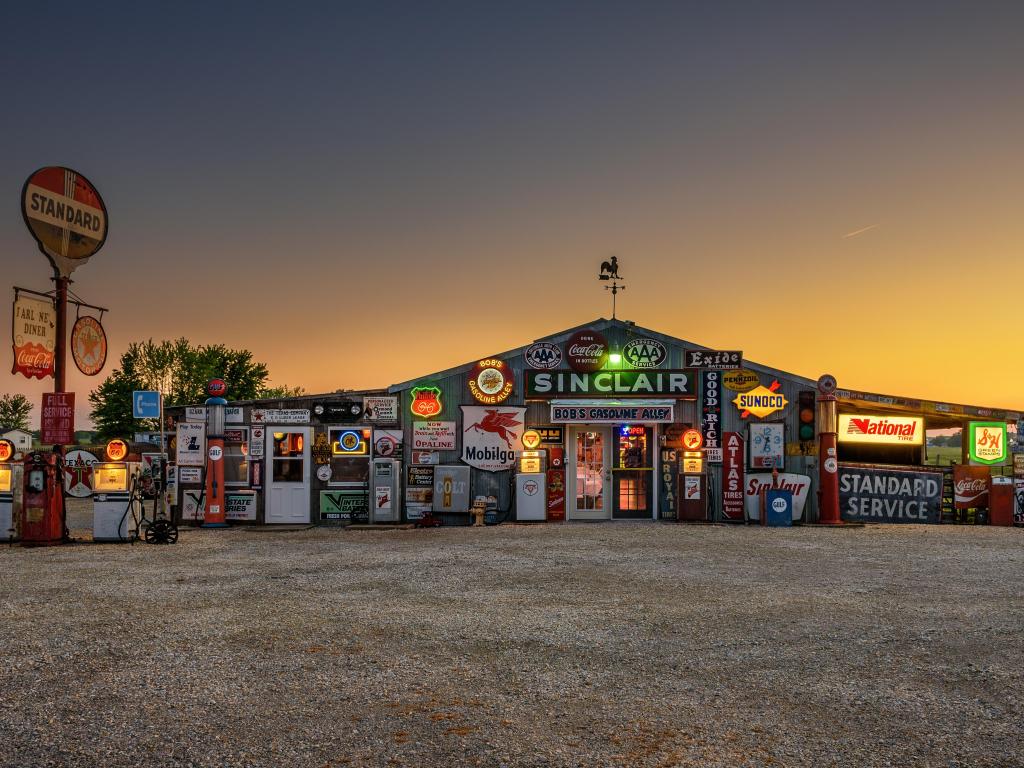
point(610, 271)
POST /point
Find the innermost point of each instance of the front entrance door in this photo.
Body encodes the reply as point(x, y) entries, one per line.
point(287, 496)
point(590, 473)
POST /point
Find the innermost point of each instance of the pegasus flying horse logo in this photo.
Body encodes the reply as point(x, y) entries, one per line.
point(497, 423)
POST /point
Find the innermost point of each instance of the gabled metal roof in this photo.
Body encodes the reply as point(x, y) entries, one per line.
point(600, 324)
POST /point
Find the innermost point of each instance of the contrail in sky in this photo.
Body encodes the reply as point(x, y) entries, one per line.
point(860, 231)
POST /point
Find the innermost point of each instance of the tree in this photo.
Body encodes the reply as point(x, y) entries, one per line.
point(281, 392)
point(181, 372)
point(14, 411)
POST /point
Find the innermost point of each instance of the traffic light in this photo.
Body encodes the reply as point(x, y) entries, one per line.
point(806, 430)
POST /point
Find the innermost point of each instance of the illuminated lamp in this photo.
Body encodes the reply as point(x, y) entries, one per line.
point(298, 442)
point(279, 435)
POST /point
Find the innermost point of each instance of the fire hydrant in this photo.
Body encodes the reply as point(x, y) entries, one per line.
point(479, 509)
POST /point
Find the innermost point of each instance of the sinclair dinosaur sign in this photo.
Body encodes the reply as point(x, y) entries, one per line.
point(491, 436)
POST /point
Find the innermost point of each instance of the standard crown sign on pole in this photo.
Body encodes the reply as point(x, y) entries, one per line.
point(67, 217)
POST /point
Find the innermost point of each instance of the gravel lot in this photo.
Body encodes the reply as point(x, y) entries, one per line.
point(562, 645)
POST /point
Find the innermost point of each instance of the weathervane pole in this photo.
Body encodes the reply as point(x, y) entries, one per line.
point(610, 271)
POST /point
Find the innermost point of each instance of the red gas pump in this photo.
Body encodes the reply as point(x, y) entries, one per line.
point(42, 509)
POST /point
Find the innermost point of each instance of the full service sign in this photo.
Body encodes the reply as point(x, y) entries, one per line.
point(881, 430)
point(890, 495)
point(562, 383)
point(583, 414)
point(57, 422)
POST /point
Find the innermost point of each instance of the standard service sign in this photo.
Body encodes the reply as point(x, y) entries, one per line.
point(65, 214)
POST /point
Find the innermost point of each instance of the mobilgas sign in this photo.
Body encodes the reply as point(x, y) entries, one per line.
point(890, 495)
point(561, 383)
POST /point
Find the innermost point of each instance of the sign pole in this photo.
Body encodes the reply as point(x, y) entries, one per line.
point(60, 348)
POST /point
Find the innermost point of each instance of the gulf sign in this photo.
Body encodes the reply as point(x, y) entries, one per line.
point(761, 401)
point(64, 212)
point(881, 430)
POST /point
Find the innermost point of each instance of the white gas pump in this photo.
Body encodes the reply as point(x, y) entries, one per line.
point(115, 508)
point(531, 486)
point(386, 476)
point(10, 482)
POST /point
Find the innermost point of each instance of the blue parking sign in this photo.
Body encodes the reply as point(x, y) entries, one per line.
point(145, 404)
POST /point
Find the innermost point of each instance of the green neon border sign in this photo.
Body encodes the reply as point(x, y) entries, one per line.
point(1000, 427)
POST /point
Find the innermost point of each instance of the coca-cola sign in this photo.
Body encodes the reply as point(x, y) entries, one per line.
point(970, 486)
point(34, 335)
point(586, 351)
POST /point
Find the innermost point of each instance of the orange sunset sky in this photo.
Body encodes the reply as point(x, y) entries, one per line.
point(362, 197)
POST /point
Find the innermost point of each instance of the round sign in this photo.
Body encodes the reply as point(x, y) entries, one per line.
point(543, 355)
point(6, 450)
point(490, 382)
point(779, 505)
point(89, 345)
point(117, 449)
point(827, 384)
point(323, 473)
point(349, 441)
point(586, 351)
point(66, 216)
point(216, 453)
point(531, 439)
point(78, 465)
point(216, 388)
point(644, 353)
point(692, 439)
point(831, 466)
point(385, 446)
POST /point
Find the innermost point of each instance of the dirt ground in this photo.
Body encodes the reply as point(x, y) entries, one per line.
point(633, 644)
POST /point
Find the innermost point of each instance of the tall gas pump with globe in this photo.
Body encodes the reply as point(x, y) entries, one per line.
point(214, 514)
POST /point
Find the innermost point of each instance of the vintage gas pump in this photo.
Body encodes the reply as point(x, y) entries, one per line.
point(42, 509)
point(828, 457)
point(693, 487)
point(10, 477)
point(215, 515)
point(115, 507)
point(387, 479)
point(531, 493)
